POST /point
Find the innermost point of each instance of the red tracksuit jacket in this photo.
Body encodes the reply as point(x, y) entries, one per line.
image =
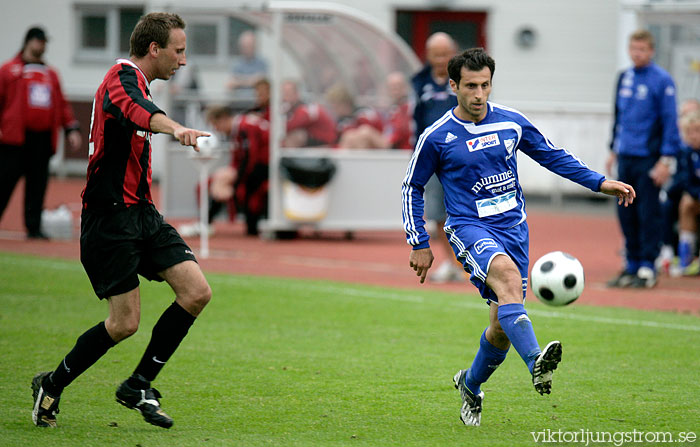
point(15, 81)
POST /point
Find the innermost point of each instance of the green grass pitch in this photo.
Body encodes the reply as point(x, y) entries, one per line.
point(287, 362)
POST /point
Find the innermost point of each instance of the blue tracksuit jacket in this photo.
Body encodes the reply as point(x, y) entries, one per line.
point(432, 99)
point(645, 113)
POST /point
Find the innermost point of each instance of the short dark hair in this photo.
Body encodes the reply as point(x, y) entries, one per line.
point(153, 27)
point(35, 32)
point(473, 59)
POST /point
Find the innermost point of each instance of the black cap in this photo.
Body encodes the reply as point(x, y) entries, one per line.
point(35, 33)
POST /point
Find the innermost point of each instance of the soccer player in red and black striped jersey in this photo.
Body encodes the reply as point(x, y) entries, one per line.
point(122, 233)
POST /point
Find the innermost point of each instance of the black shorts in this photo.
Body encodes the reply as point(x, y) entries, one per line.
point(118, 245)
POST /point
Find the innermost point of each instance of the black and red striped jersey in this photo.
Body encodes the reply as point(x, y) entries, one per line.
point(119, 167)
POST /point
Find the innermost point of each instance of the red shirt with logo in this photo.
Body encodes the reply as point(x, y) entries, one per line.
point(119, 167)
point(31, 99)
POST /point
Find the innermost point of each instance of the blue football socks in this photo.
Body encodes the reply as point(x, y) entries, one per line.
point(684, 254)
point(518, 327)
point(631, 266)
point(686, 247)
point(487, 359)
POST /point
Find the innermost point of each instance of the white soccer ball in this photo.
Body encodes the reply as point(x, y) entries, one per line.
point(557, 278)
point(207, 145)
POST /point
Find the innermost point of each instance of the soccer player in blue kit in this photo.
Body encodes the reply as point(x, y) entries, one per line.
point(473, 151)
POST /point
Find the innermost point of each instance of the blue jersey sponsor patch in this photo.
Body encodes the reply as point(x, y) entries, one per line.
point(483, 244)
point(483, 142)
point(496, 205)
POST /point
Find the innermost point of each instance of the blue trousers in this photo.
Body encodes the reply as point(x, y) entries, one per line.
point(641, 222)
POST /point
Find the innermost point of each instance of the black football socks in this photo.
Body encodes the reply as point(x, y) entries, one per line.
point(88, 349)
point(167, 334)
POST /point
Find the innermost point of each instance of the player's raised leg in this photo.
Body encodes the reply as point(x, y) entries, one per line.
point(546, 363)
point(192, 294)
point(505, 280)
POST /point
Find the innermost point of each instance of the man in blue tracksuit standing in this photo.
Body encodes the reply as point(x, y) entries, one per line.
point(644, 144)
point(431, 84)
point(434, 97)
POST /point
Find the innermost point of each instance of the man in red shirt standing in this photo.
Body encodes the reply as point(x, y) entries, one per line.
point(122, 235)
point(32, 111)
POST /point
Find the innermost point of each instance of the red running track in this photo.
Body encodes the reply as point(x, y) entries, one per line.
point(381, 257)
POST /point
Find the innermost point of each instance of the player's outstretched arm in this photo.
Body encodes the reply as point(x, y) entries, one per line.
point(420, 260)
point(624, 192)
point(186, 136)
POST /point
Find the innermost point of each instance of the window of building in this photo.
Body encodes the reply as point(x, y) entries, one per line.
point(235, 29)
point(103, 31)
point(128, 18)
point(213, 39)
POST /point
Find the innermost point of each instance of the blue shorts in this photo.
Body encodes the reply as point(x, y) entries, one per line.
point(475, 247)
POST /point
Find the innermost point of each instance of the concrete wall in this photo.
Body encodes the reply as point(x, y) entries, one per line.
point(573, 61)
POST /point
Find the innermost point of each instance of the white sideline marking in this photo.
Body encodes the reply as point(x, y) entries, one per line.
point(626, 322)
point(671, 293)
point(480, 305)
point(370, 294)
point(336, 290)
point(599, 319)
